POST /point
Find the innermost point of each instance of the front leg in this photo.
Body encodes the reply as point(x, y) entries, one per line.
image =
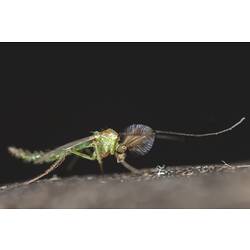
point(129, 167)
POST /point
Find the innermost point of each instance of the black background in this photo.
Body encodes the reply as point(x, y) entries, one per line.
point(55, 93)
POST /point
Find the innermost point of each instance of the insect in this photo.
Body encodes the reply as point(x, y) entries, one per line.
point(136, 138)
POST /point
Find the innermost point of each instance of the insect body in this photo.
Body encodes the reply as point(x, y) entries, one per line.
point(102, 143)
point(136, 138)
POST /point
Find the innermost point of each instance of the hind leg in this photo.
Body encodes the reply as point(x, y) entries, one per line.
point(50, 169)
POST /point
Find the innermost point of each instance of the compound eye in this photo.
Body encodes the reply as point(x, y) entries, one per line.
point(121, 149)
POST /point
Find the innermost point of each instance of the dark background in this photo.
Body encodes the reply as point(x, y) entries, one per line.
point(55, 93)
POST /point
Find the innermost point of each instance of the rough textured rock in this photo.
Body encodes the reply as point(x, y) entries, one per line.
point(218, 186)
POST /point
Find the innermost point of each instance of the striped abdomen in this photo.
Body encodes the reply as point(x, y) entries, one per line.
point(28, 156)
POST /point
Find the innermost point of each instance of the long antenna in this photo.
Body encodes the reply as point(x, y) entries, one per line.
point(160, 134)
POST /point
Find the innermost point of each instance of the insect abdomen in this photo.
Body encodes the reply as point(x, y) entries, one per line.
point(26, 155)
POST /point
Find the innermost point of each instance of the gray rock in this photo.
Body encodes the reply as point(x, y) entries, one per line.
point(213, 186)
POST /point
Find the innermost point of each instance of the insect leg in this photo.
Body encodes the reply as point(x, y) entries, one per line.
point(92, 158)
point(82, 155)
point(50, 169)
point(98, 156)
point(129, 167)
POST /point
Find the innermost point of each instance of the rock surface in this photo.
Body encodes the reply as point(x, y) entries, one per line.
point(215, 186)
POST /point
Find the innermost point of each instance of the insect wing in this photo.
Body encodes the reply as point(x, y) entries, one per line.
point(65, 147)
point(75, 143)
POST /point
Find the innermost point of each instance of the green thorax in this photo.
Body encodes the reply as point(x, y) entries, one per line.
point(107, 142)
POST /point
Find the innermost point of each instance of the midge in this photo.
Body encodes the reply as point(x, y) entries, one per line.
point(136, 138)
